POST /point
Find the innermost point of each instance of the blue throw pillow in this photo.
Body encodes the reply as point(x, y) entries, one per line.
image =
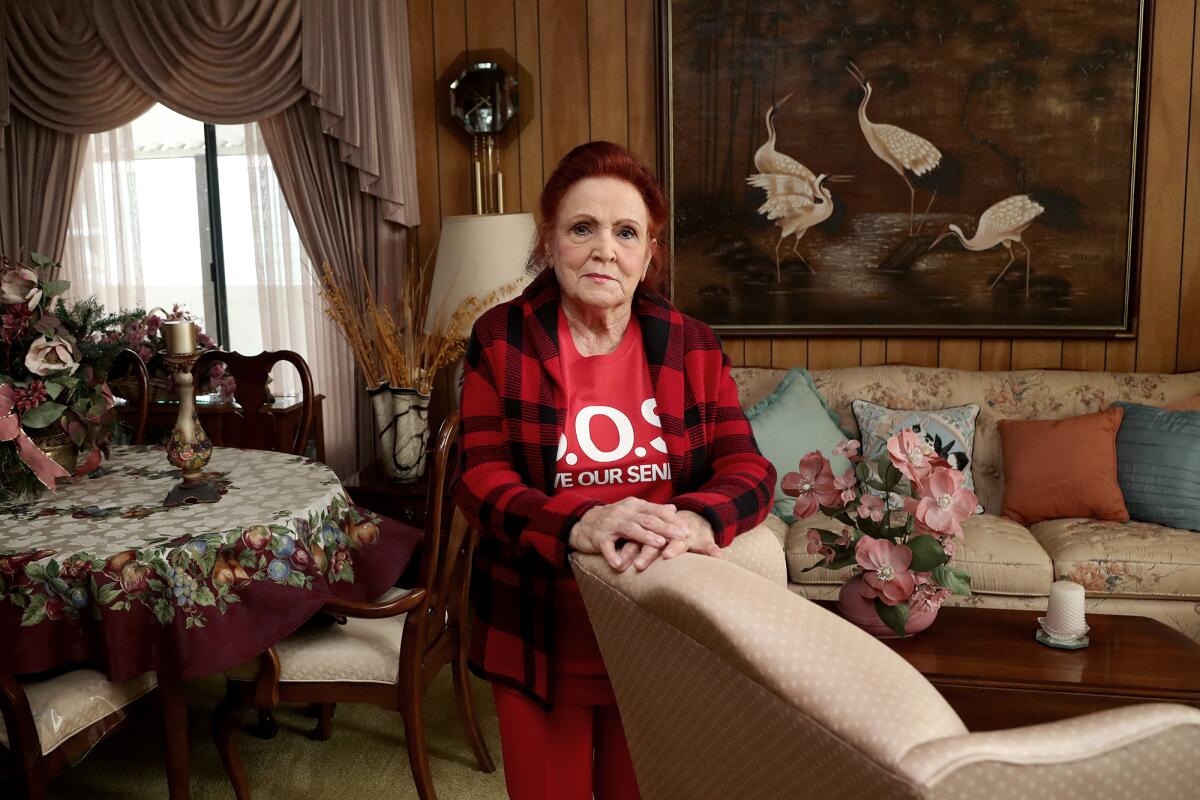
point(949, 431)
point(791, 423)
point(1158, 465)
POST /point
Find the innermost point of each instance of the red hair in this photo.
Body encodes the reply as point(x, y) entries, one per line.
point(605, 160)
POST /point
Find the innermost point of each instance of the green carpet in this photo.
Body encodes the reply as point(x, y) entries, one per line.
point(365, 759)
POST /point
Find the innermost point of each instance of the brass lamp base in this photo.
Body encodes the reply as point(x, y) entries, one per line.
point(192, 493)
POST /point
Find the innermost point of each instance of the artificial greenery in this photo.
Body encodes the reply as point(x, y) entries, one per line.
point(39, 332)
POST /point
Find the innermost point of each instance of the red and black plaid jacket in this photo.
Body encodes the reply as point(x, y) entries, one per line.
point(513, 413)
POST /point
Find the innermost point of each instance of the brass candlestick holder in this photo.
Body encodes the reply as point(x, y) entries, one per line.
point(189, 447)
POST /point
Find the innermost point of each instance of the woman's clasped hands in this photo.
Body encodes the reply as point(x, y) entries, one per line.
point(635, 532)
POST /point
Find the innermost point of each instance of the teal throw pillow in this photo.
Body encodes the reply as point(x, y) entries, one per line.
point(791, 423)
point(949, 431)
point(1158, 465)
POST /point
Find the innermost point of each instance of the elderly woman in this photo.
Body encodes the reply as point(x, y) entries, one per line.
point(595, 417)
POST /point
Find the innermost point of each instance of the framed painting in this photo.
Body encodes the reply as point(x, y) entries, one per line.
point(893, 167)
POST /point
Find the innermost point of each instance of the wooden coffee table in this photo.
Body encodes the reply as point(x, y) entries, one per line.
point(987, 665)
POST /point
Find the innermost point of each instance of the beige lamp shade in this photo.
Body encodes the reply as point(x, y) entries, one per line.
point(477, 255)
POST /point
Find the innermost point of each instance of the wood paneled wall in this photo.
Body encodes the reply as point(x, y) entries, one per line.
point(587, 70)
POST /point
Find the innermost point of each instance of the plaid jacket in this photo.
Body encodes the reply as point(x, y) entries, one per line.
point(513, 413)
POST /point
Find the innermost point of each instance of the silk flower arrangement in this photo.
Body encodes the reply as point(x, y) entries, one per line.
point(54, 360)
point(899, 556)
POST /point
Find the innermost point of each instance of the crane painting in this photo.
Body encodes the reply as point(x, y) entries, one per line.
point(796, 198)
point(1004, 222)
point(911, 156)
point(844, 166)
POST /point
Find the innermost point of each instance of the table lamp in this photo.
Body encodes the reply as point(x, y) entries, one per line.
point(478, 255)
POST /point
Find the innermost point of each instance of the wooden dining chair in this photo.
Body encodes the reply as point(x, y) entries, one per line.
point(255, 428)
point(127, 372)
point(386, 652)
point(49, 722)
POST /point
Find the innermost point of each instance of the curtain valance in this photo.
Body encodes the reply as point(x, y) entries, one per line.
point(84, 66)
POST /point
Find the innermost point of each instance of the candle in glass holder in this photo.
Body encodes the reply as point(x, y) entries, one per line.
point(180, 336)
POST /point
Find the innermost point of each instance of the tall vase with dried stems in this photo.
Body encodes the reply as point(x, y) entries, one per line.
point(398, 357)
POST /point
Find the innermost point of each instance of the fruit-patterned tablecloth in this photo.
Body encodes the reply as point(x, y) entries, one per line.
point(103, 572)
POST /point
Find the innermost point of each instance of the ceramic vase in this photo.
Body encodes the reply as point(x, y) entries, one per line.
point(401, 430)
point(861, 611)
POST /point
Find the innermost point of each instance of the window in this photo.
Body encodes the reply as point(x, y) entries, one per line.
point(197, 223)
point(169, 210)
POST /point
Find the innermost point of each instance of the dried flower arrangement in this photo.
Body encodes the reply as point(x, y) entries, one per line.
point(393, 347)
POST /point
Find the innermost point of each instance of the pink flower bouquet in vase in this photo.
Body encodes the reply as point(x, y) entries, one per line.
point(899, 555)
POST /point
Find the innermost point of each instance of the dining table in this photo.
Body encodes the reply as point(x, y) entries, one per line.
point(103, 573)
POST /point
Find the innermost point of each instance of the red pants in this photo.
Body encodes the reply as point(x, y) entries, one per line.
point(577, 750)
point(569, 753)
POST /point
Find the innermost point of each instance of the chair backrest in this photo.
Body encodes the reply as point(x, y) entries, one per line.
point(128, 371)
point(446, 553)
point(256, 428)
point(732, 686)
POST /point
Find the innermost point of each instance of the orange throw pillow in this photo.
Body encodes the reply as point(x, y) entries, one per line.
point(1059, 468)
point(1188, 404)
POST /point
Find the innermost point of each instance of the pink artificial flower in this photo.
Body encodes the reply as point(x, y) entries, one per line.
point(949, 546)
point(31, 397)
point(945, 502)
point(145, 354)
point(846, 484)
point(812, 485)
point(870, 506)
point(847, 447)
point(818, 547)
point(52, 354)
point(20, 286)
point(885, 570)
point(927, 595)
point(911, 455)
point(226, 387)
point(15, 321)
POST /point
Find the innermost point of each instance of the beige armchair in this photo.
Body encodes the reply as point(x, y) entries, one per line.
point(732, 686)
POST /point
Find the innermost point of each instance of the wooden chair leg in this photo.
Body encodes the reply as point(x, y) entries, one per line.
point(266, 727)
point(418, 751)
point(466, 711)
point(324, 727)
point(227, 719)
point(34, 783)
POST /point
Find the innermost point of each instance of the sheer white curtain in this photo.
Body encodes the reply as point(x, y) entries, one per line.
point(103, 258)
point(291, 309)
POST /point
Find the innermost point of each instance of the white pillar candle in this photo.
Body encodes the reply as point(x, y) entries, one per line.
point(1065, 608)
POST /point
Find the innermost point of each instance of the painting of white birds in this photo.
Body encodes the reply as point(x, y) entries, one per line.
point(910, 155)
point(797, 200)
point(881, 168)
point(795, 204)
point(1002, 224)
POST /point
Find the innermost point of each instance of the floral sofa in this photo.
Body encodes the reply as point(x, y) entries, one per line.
point(1127, 568)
